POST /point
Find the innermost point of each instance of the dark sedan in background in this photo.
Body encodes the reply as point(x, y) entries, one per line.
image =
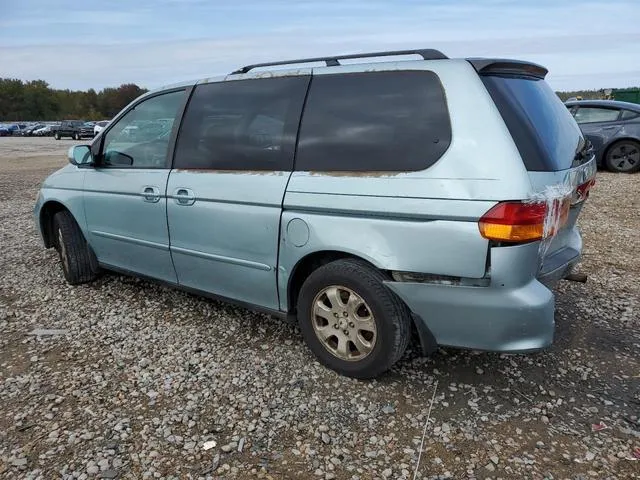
point(614, 130)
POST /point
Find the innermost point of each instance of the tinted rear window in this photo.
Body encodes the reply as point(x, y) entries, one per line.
point(544, 131)
point(378, 121)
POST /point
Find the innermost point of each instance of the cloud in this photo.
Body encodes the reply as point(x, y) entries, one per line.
point(583, 44)
point(99, 18)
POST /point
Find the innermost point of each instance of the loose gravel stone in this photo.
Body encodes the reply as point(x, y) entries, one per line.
point(93, 469)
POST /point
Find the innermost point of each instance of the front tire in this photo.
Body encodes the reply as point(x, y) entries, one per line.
point(351, 321)
point(56, 136)
point(79, 263)
point(623, 157)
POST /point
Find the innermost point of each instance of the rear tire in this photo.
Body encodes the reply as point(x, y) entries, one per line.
point(376, 323)
point(623, 156)
point(79, 263)
point(56, 136)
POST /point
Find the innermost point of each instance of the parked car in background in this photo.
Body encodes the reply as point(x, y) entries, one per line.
point(29, 131)
point(70, 128)
point(15, 129)
point(369, 202)
point(87, 130)
point(4, 131)
point(99, 126)
point(613, 128)
point(45, 131)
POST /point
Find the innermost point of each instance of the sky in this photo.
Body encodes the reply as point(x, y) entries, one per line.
point(83, 44)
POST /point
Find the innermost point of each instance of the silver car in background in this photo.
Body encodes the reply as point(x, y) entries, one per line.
point(365, 200)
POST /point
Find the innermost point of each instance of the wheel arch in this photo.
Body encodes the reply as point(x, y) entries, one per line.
point(312, 261)
point(307, 264)
point(47, 212)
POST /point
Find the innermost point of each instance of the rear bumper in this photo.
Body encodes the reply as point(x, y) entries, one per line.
point(483, 318)
point(515, 313)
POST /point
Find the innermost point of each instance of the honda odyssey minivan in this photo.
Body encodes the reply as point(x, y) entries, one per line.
point(366, 200)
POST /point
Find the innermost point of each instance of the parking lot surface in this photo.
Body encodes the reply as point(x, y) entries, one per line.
point(148, 382)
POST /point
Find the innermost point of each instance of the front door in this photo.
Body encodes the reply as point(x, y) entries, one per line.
point(125, 194)
point(233, 159)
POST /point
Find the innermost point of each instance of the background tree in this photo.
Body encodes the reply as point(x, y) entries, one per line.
point(35, 100)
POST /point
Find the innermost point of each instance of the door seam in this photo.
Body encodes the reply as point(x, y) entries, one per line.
point(166, 217)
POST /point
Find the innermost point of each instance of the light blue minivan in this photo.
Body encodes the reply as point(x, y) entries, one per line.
point(371, 201)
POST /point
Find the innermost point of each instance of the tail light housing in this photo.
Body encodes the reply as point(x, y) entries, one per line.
point(517, 222)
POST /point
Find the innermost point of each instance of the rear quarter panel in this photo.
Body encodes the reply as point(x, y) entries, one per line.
point(629, 130)
point(395, 243)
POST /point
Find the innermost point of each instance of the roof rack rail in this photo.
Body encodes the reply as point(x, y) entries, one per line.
point(426, 54)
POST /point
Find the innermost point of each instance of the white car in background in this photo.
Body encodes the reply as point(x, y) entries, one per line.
point(99, 126)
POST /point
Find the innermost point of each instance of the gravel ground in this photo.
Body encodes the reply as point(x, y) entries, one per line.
point(146, 378)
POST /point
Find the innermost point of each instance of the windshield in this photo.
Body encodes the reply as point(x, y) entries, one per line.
point(544, 131)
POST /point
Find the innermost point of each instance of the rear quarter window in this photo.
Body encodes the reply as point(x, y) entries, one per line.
point(630, 115)
point(380, 121)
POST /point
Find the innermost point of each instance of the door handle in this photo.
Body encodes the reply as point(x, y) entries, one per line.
point(151, 194)
point(184, 196)
point(611, 127)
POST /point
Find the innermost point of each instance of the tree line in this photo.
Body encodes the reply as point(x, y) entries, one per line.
point(35, 100)
point(595, 94)
point(585, 94)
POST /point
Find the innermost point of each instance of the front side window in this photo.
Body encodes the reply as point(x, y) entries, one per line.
point(595, 114)
point(140, 139)
point(242, 125)
point(375, 121)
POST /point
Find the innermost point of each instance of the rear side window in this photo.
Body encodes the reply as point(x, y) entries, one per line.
point(242, 125)
point(596, 114)
point(629, 115)
point(382, 121)
point(542, 128)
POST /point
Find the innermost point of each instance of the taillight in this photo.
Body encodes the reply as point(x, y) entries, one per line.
point(523, 222)
point(514, 222)
point(582, 191)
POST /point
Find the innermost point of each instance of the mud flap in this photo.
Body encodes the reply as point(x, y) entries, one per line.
point(428, 343)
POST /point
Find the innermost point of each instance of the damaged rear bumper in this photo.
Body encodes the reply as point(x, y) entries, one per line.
point(515, 313)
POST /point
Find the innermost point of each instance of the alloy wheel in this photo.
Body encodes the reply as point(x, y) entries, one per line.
point(624, 157)
point(344, 323)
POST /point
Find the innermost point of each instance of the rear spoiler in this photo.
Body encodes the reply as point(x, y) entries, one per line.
point(500, 66)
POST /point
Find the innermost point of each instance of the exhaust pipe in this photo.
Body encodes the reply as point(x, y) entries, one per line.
point(576, 277)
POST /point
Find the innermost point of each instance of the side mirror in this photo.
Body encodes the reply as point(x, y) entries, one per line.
point(80, 155)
